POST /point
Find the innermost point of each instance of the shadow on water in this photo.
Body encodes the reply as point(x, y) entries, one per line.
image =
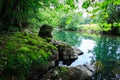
point(104, 50)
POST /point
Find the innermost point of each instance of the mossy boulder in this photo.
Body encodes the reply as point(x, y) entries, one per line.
point(45, 31)
point(19, 53)
point(69, 73)
point(58, 73)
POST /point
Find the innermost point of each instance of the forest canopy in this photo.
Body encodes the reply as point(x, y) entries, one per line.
point(107, 13)
point(18, 14)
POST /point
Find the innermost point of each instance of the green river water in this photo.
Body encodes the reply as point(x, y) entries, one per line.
point(102, 49)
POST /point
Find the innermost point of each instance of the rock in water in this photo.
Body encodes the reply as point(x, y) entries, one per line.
point(67, 54)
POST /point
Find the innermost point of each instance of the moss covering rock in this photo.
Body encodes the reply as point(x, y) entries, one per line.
point(19, 52)
point(58, 73)
point(69, 73)
point(45, 31)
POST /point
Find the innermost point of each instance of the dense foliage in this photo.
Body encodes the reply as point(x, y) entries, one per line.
point(107, 13)
point(19, 52)
point(70, 21)
point(15, 15)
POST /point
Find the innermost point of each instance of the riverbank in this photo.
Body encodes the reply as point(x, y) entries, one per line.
point(29, 56)
point(23, 53)
point(94, 29)
point(90, 28)
point(86, 28)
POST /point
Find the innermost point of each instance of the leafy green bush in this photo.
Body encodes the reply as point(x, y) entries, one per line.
point(19, 51)
point(45, 16)
point(70, 21)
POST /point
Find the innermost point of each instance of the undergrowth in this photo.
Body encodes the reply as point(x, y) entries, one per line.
point(19, 51)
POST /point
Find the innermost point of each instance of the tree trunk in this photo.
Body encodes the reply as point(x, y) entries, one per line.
point(4, 7)
point(20, 19)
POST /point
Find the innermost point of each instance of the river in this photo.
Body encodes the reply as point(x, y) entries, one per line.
point(102, 49)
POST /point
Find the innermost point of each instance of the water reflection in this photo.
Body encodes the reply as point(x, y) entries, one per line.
point(70, 38)
point(104, 49)
point(87, 47)
point(107, 52)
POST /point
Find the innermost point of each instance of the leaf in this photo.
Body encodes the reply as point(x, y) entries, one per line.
point(86, 4)
point(93, 16)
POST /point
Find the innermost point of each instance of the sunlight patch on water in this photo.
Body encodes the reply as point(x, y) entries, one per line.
point(118, 50)
point(87, 47)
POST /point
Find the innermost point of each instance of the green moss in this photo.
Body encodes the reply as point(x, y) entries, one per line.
point(63, 69)
point(18, 52)
point(64, 73)
point(24, 49)
point(99, 66)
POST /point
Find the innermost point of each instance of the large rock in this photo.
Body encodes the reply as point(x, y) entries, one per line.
point(39, 69)
point(45, 31)
point(67, 54)
point(70, 73)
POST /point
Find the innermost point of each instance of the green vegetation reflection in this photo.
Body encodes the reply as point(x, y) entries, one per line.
point(107, 51)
